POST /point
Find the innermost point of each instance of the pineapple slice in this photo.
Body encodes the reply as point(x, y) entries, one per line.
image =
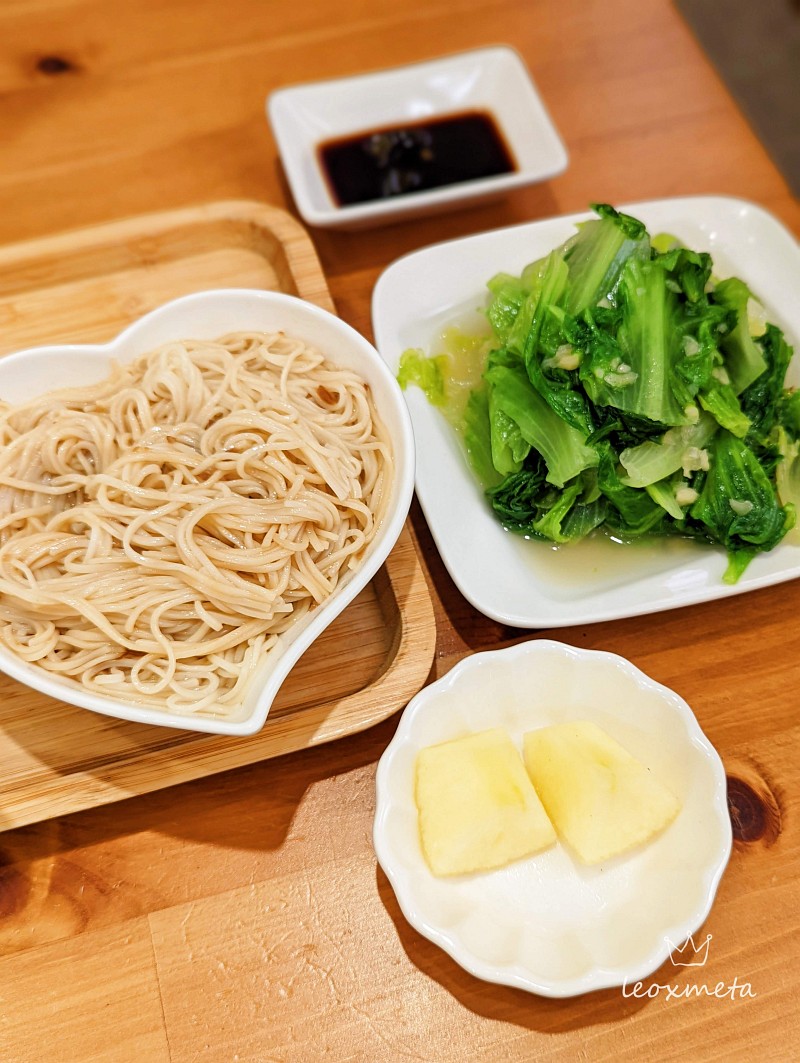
point(602, 800)
point(477, 807)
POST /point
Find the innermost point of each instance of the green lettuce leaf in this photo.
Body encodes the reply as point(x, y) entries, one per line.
point(562, 446)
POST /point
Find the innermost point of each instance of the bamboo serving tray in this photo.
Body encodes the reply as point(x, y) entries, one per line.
point(86, 286)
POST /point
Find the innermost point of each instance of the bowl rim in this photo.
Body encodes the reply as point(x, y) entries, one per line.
point(288, 655)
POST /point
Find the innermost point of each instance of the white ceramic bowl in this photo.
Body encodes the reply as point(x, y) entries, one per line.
point(207, 315)
point(494, 80)
point(548, 924)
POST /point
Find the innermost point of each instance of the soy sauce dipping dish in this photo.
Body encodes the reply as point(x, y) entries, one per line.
point(488, 81)
point(209, 315)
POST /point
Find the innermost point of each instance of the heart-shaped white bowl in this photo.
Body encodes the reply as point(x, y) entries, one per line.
point(208, 315)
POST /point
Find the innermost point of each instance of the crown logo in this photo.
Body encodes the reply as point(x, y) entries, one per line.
point(690, 955)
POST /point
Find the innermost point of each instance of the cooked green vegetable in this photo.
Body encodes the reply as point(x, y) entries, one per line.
point(624, 389)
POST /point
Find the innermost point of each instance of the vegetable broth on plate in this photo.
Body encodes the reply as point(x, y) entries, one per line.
point(599, 563)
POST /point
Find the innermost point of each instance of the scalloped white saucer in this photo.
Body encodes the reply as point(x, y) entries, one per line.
point(547, 924)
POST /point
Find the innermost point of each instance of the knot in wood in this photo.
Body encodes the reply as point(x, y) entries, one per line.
point(754, 811)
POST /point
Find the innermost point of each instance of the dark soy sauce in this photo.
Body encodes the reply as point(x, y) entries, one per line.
point(414, 157)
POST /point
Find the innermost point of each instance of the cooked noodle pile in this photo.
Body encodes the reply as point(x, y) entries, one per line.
point(159, 530)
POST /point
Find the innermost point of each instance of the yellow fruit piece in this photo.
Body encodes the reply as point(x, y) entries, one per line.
point(602, 800)
point(477, 807)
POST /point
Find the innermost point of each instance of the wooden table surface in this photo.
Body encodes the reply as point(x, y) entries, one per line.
point(243, 917)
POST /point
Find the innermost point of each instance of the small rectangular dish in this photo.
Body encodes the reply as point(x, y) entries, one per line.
point(488, 81)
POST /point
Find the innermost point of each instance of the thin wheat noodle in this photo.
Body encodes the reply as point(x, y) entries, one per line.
point(161, 529)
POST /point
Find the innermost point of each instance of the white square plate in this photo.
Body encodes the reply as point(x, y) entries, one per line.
point(493, 80)
point(532, 584)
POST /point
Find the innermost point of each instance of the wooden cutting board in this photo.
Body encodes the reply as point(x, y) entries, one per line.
point(87, 286)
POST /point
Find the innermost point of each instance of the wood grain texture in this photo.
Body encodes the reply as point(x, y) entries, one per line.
point(47, 994)
point(86, 285)
point(271, 934)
